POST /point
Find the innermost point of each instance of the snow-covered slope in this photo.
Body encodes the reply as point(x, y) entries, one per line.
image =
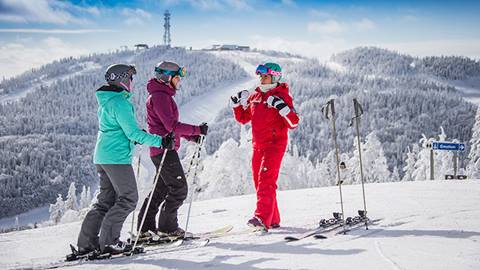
point(206, 107)
point(425, 225)
point(81, 69)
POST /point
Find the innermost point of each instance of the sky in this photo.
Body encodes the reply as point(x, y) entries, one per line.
point(36, 32)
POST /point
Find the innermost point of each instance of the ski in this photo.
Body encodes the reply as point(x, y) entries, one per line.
point(325, 225)
point(351, 223)
point(210, 234)
point(178, 245)
point(158, 243)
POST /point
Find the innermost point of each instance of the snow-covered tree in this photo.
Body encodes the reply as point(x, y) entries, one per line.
point(473, 167)
point(375, 168)
point(395, 177)
point(85, 197)
point(327, 170)
point(297, 172)
point(422, 165)
point(443, 159)
point(71, 201)
point(227, 172)
point(410, 160)
point(56, 210)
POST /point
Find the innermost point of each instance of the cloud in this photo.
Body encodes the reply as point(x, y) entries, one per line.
point(18, 57)
point(136, 16)
point(218, 5)
point(465, 47)
point(319, 13)
point(335, 27)
point(329, 27)
point(364, 25)
point(289, 3)
point(41, 11)
point(410, 18)
point(322, 49)
point(54, 31)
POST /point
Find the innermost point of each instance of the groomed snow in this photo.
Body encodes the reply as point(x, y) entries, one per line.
point(86, 67)
point(425, 225)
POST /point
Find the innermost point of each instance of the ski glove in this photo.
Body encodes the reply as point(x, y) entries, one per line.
point(168, 142)
point(279, 104)
point(203, 129)
point(240, 98)
point(197, 139)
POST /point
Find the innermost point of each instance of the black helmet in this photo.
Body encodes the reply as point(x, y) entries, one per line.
point(120, 75)
point(165, 70)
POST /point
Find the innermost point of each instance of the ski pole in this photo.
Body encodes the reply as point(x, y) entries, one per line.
point(138, 178)
point(192, 160)
point(202, 140)
point(151, 195)
point(330, 106)
point(358, 112)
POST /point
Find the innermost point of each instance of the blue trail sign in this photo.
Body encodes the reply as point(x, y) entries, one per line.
point(448, 146)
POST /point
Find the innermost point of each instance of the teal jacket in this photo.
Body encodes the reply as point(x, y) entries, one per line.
point(118, 129)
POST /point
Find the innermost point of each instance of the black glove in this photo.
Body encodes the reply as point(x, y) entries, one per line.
point(203, 129)
point(240, 97)
point(168, 142)
point(279, 104)
point(235, 99)
point(197, 139)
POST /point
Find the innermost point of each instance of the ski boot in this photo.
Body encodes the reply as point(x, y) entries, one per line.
point(275, 226)
point(257, 225)
point(78, 254)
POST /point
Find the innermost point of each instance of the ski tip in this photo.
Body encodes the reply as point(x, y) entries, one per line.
point(291, 238)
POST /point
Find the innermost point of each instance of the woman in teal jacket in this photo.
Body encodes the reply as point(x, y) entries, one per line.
point(118, 132)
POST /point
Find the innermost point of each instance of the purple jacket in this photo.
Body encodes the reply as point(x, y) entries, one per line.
point(162, 115)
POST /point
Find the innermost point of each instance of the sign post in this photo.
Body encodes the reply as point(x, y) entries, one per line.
point(448, 146)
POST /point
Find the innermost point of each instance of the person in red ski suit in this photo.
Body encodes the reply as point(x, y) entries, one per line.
point(271, 113)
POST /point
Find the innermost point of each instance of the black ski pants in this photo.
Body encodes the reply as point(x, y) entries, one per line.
point(171, 189)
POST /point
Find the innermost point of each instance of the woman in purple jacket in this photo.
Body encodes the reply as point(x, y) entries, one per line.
point(162, 118)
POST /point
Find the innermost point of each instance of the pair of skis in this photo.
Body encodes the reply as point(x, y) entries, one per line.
point(161, 244)
point(333, 225)
point(328, 110)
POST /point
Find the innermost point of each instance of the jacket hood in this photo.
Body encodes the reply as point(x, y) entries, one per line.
point(155, 86)
point(107, 92)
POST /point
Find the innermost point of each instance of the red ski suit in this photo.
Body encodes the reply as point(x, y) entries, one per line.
point(269, 139)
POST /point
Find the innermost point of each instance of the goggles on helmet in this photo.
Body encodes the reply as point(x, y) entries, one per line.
point(182, 72)
point(264, 70)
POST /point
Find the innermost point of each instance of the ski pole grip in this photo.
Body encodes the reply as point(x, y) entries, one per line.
point(332, 101)
point(358, 108)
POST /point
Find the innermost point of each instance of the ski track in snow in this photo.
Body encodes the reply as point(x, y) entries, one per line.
point(386, 258)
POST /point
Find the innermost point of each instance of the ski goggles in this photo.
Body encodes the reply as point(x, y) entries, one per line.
point(182, 72)
point(264, 70)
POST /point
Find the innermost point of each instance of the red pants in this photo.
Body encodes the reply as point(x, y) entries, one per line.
point(265, 168)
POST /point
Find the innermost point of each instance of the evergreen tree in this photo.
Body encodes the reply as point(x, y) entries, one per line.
point(443, 159)
point(473, 168)
point(410, 160)
point(56, 210)
point(71, 201)
point(422, 164)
